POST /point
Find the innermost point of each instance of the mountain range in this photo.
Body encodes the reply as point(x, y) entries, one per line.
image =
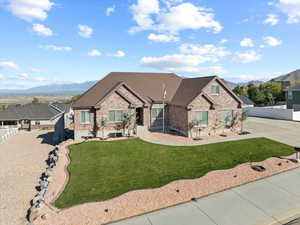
point(78, 88)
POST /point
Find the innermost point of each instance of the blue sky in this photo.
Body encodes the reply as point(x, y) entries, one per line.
point(58, 41)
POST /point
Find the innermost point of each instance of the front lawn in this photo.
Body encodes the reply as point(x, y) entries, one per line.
point(103, 170)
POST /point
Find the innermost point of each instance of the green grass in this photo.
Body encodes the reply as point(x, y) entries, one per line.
point(104, 170)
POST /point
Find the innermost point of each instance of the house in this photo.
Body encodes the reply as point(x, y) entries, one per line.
point(37, 116)
point(293, 98)
point(247, 102)
point(205, 100)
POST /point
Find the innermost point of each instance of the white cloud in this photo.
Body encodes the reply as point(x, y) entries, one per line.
point(162, 38)
point(210, 51)
point(35, 70)
point(181, 63)
point(42, 30)
point(30, 9)
point(57, 48)
point(271, 42)
point(85, 31)
point(291, 8)
point(94, 52)
point(223, 41)
point(271, 19)
point(177, 16)
point(8, 65)
point(246, 57)
point(247, 42)
point(110, 10)
point(119, 53)
point(1, 76)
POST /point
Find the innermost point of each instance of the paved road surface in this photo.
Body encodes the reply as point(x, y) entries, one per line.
point(21, 163)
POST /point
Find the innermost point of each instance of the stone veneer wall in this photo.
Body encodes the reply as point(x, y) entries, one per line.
point(178, 119)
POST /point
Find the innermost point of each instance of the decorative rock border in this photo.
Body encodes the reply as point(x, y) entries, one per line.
point(37, 203)
point(138, 202)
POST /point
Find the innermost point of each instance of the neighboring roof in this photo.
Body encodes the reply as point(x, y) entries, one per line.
point(41, 111)
point(246, 100)
point(189, 89)
point(147, 85)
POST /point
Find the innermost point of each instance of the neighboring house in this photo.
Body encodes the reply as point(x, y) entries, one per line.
point(206, 100)
point(37, 116)
point(247, 102)
point(293, 98)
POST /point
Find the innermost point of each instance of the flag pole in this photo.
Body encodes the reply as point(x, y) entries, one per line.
point(164, 88)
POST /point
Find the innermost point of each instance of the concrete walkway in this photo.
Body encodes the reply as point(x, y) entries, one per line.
point(287, 132)
point(22, 160)
point(274, 200)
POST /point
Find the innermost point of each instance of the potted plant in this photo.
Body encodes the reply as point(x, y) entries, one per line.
point(102, 125)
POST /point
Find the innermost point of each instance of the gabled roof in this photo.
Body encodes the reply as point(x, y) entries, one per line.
point(41, 111)
point(147, 85)
point(189, 89)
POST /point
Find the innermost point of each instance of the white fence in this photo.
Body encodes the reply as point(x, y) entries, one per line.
point(273, 113)
point(6, 133)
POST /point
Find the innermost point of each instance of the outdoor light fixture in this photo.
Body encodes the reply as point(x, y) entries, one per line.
point(297, 149)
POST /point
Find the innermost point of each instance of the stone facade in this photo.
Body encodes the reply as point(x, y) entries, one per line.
point(177, 117)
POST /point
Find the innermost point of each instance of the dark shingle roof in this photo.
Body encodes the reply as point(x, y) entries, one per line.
point(190, 89)
point(246, 100)
point(39, 111)
point(147, 85)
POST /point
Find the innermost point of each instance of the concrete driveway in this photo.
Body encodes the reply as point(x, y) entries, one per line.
point(287, 132)
point(22, 160)
point(271, 201)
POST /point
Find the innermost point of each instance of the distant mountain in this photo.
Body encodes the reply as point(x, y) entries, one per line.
point(72, 88)
point(232, 85)
point(292, 77)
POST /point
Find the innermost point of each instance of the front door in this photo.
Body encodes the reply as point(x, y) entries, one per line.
point(139, 116)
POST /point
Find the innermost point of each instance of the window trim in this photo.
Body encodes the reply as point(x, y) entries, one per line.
point(114, 110)
point(89, 113)
point(156, 118)
point(212, 89)
point(199, 121)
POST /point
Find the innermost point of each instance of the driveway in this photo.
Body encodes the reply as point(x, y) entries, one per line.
point(271, 201)
point(287, 132)
point(21, 163)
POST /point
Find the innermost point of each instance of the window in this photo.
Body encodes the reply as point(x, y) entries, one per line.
point(290, 95)
point(215, 89)
point(157, 113)
point(202, 118)
point(85, 117)
point(115, 116)
point(226, 117)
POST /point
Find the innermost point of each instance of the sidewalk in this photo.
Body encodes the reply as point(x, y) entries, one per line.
point(274, 200)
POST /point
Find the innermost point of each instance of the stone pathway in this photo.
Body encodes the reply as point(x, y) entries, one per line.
point(21, 163)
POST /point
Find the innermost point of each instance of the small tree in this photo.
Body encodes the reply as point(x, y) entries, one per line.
point(234, 122)
point(35, 101)
point(244, 116)
point(127, 122)
point(191, 127)
point(102, 125)
point(216, 125)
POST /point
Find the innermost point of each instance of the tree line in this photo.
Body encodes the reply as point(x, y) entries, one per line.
point(265, 94)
